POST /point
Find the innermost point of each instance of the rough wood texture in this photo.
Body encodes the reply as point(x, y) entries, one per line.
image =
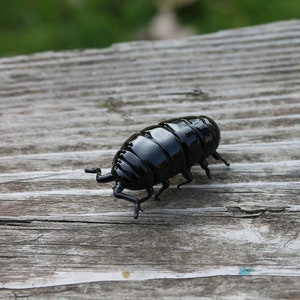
point(234, 236)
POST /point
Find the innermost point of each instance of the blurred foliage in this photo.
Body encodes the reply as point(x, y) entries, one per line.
point(28, 26)
point(212, 15)
point(37, 25)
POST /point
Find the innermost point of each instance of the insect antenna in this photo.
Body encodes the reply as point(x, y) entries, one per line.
point(100, 178)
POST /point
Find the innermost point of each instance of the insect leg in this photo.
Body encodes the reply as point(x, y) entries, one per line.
point(188, 176)
point(165, 185)
point(150, 192)
point(117, 190)
point(204, 165)
point(217, 156)
point(137, 207)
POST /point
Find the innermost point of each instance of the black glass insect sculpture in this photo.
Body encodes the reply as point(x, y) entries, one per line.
point(160, 152)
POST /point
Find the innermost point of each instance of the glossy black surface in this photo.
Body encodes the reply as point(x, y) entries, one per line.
point(160, 152)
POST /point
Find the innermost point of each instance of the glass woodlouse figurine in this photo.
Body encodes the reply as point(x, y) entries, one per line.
point(160, 152)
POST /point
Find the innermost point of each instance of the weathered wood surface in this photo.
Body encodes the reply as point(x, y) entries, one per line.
point(234, 236)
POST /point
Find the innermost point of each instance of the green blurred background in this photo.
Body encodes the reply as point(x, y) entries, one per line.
point(37, 25)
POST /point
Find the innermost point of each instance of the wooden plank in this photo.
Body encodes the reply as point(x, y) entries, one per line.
point(234, 236)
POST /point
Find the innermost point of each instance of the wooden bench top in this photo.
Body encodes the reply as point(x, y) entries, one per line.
point(236, 235)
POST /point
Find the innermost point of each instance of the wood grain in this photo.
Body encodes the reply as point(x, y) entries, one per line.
point(234, 236)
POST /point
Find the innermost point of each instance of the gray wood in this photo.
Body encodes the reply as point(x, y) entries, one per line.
point(235, 236)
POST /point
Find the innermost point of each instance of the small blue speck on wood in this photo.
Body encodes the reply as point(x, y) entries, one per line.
point(245, 271)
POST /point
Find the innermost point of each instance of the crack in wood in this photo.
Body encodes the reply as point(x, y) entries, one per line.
point(254, 212)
